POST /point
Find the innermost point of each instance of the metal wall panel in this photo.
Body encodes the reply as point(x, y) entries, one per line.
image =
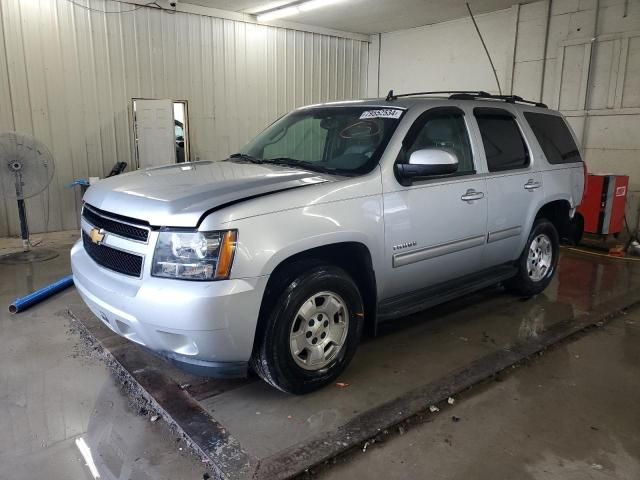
point(68, 74)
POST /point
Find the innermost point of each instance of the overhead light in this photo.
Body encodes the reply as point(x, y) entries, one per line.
point(266, 7)
point(296, 8)
point(278, 13)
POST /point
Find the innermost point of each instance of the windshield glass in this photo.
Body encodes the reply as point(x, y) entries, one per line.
point(342, 140)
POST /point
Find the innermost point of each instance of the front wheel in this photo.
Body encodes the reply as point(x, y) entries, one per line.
point(312, 331)
point(538, 262)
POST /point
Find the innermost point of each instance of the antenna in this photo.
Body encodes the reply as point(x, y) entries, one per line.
point(26, 169)
point(484, 45)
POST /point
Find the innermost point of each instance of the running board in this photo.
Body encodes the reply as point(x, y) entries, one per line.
point(418, 300)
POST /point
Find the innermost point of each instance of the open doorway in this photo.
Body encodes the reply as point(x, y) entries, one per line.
point(161, 131)
point(180, 126)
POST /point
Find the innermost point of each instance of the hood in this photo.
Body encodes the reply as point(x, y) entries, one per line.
point(178, 195)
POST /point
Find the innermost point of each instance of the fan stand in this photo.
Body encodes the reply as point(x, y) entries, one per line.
point(28, 255)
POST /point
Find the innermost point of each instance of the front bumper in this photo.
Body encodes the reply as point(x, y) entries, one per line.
point(204, 327)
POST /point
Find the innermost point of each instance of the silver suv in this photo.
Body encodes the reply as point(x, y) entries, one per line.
point(335, 218)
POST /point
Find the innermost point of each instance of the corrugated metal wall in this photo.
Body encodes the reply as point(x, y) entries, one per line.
point(68, 74)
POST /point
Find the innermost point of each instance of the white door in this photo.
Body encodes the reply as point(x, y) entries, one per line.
point(155, 132)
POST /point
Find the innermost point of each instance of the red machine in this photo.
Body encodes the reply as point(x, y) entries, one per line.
point(603, 204)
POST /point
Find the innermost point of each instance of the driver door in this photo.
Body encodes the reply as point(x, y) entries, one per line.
point(436, 228)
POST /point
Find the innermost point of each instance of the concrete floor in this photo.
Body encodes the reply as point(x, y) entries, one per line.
point(571, 414)
point(54, 398)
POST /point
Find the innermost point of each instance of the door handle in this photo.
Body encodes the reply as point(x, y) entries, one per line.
point(532, 185)
point(471, 195)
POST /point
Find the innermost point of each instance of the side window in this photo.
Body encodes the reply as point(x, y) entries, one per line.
point(504, 146)
point(442, 130)
point(304, 140)
point(554, 138)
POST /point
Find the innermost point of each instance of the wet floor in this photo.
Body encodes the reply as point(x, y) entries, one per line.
point(416, 351)
point(62, 413)
point(572, 414)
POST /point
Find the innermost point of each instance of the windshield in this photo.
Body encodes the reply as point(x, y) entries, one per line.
point(341, 140)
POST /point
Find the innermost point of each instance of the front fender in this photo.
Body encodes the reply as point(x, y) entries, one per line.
point(266, 241)
point(305, 244)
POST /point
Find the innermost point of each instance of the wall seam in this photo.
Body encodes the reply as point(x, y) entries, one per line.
point(6, 61)
point(544, 49)
point(515, 48)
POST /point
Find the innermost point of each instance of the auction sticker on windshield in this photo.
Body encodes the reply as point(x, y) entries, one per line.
point(382, 113)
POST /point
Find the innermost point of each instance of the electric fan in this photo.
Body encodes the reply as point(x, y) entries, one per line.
point(26, 169)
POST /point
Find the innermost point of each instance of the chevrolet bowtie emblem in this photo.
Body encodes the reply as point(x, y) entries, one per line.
point(96, 235)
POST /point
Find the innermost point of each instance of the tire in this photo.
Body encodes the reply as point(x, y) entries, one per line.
point(576, 229)
point(316, 293)
point(532, 278)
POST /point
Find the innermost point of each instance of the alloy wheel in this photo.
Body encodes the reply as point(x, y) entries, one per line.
point(319, 331)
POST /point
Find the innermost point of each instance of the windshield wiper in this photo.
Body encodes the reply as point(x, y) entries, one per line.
point(292, 162)
point(244, 156)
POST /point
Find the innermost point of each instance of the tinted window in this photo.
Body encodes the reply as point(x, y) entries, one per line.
point(554, 138)
point(446, 131)
point(504, 146)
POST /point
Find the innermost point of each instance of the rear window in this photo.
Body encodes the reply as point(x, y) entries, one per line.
point(554, 138)
point(504, 146)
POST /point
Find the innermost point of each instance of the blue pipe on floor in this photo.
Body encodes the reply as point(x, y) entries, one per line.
point(20, 304)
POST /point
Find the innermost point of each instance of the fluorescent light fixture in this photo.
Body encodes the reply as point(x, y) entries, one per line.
point(313, 4)
point(296, 8)
point(279, 13)
point(267, 7)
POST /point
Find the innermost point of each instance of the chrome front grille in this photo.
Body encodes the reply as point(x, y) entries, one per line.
point(112, 258)
point(116, 224)
point(114, 241)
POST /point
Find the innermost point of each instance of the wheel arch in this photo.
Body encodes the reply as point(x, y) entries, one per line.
point(352, 256)
point(558, 212)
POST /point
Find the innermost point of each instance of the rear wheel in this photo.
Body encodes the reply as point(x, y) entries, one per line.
point(312, 331)
point(538, 261)
point(575, 230)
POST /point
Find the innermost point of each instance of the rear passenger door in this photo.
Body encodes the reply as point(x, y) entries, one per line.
point(564, 174)
point(514, 183)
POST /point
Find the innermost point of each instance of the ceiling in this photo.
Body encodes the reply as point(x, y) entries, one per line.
point(372, 16)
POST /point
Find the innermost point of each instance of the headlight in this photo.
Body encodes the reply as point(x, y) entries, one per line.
point(191, 255)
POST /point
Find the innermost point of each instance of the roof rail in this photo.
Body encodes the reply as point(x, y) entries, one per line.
point(391, 96)
point(467, 95)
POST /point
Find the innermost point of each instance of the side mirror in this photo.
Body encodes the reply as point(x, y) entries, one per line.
point(426, 163)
